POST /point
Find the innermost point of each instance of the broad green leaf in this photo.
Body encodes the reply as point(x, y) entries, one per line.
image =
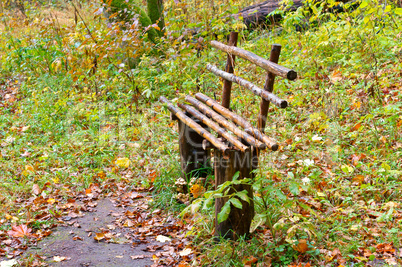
point(236, 202)
point(243, 195)
point(224, 213)
point(235, 176)
point(208, 203)
point(294, 189)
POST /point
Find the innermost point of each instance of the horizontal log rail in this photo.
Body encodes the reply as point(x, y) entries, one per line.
point(214, 126)
point(195, 126)
point(257, 60)
point(248, 128)
point(225, 123)
point(268, 96)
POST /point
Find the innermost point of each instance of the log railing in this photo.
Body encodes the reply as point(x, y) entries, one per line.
point(236, 143)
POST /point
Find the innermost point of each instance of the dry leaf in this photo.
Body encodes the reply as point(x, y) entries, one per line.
point(137, 257)
point(36, 189)
point(185, 252)
point(20, 231)
point(29, 168)
point(123, 162)
point(302, 246)
point(163, 239)
point(59, 259)
point(99, 236)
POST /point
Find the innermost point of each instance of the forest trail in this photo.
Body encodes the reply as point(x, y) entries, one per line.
point(101, 228)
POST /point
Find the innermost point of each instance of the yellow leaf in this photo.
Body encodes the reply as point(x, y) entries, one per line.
point(51, 201)
point(197, 190)
point(29, 168)
point(358, 179)
point(99, 236)
point(123, 162)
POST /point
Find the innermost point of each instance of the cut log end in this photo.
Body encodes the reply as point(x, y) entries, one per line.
point(283, 104)
point(274, 147)
point(291, 75)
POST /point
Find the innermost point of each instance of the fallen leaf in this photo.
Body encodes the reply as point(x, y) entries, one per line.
point(163, 239)
point(20, 231)
point(359, 179)
point(336, 76)
point(99, 236)
point(136, 257)
point(356, 127)
point(9, 263)
point(36, 189)
point(123, 162)
point(250, 260)
point(185, 252)
point(302, 246)
point(59, 259)
point(29, 168)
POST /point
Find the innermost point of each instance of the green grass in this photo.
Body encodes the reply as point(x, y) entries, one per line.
point(334, 181)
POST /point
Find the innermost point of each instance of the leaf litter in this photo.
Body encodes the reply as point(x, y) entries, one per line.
point(128, 221)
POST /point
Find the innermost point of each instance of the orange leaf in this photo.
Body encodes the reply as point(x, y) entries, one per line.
point(302, 246)
point(152, 175)
point(20, 231)
point(356, 127)
point(99, 236)
point(358, 179)
point(250, 260)
point(197, 190)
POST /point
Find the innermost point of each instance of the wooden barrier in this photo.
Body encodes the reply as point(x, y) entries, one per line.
point(235, 150)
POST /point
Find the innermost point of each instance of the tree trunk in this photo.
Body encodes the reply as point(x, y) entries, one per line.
point(155, 13)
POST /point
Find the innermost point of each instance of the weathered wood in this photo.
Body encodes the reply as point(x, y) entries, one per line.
point(214, 126)
point(239, 220)
point(195, 126)
point(266, 95)
point(194, 160)
point(225, 123)
point(268, 87)
point(248, 128)
point(227, 85)
point(260, 13)
point(257, 60)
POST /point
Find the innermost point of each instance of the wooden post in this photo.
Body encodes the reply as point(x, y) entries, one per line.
point(227, 85)
point(195, 161)
point(269, 86)
point(239, 220)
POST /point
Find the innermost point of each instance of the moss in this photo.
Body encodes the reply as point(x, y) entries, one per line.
point(155, 9)
point(125, 11)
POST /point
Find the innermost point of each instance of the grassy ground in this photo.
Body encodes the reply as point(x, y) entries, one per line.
point(329, 196)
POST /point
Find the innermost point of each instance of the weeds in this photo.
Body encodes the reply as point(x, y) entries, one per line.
point(78, 94)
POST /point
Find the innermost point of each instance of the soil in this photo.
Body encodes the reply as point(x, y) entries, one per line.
point(75, 245)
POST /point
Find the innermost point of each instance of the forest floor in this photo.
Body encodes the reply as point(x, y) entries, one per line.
point(83, 138)
point(103, 229)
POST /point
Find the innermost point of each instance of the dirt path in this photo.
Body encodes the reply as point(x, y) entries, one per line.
point(104, 225)
point(75, 244)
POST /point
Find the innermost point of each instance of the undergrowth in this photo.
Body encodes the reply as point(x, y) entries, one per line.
point(80, 92)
